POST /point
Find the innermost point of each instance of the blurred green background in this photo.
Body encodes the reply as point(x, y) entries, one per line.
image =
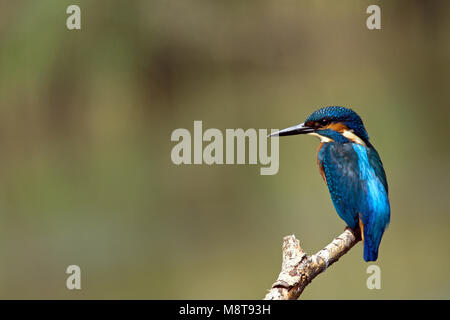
point(86, 117)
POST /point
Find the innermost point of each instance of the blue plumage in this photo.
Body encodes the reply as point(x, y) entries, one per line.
point(357, 191)
point(353, 172)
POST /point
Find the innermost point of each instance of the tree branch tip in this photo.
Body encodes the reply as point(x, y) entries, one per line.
point(298, 269)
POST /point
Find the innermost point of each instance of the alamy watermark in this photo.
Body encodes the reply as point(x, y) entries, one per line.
point(74, 279)
point(190, 149)
point(73, 21)
point(374, 280)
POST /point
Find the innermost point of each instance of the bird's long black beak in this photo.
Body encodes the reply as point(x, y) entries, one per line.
point(298, 129)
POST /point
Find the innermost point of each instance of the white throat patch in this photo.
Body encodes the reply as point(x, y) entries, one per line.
point(353, 137)
point(346, 133)
point(322, 138)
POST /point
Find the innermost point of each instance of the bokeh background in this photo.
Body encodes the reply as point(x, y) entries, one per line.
point(86, 117)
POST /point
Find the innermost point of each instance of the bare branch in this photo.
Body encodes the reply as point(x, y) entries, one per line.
point(299, 269)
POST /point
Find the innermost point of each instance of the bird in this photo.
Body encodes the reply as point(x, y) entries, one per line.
point(352, 169)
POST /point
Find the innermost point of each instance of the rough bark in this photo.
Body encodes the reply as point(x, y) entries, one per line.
point(298, 269)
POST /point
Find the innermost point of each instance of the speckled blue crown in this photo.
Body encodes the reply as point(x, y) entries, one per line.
point(343, 115)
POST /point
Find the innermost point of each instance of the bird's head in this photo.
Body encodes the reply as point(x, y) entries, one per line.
point(338, 124)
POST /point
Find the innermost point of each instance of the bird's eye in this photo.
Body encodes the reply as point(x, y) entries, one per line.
point(324, 121)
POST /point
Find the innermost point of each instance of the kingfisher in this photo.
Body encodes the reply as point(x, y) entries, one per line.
point(352, 170)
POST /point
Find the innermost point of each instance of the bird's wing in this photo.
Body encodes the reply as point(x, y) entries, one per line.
point(339, 163)
point(377, 165)
point(358, 188)
point(375, 208)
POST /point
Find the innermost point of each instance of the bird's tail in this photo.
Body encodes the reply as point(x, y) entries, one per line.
point(371, 238)
point(370, 251)
point(370, 246)
point(372, 232)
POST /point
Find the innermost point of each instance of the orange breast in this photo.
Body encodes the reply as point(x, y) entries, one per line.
point(361, 226)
